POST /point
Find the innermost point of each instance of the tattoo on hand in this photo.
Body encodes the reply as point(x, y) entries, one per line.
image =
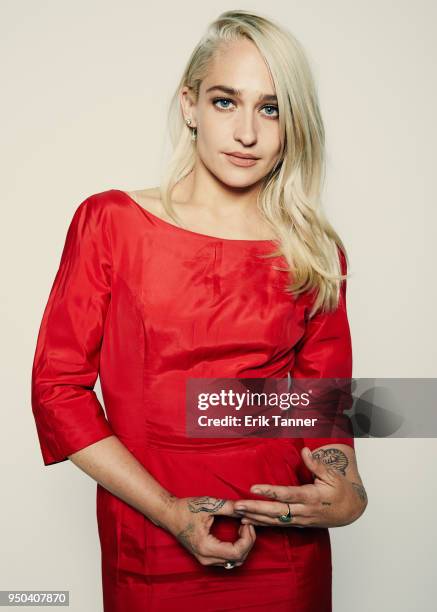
point(332, 457)
point(270, 493)
point(205, 504)
point(360, 490)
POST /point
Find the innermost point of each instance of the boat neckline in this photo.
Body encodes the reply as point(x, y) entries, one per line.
point(192, 232)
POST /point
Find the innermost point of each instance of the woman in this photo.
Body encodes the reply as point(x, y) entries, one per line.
point(228, 269)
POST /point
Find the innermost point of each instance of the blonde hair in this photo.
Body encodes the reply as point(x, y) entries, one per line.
point(290, 198)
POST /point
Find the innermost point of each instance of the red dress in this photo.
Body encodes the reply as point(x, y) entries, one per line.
point(146, 304)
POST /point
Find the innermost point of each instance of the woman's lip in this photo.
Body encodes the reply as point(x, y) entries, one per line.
point(241, 161)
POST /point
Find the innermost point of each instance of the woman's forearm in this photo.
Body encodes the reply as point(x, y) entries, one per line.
point(112, 465)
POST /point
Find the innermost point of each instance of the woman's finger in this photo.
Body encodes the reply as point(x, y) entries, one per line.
point(272, 509)
point(251, 521)
point(267, 521)
point(261, 519)
point(261, 507)
point(296, 494)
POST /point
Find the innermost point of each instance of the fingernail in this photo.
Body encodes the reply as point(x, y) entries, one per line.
point(240, 508)
point(256, 490)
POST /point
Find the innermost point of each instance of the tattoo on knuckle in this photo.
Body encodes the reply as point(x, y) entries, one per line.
point(205, 504)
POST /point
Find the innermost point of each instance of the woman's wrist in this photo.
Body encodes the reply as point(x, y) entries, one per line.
point(164, 514)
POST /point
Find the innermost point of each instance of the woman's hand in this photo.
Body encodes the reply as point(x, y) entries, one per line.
point(331, 501)
point(190, 519)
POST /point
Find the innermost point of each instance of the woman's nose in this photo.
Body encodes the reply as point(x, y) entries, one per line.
point(245, 128)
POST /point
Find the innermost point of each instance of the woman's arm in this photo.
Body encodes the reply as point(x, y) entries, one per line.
point(325, 352)
point(189, 520)
point(113, 466)
point(70, 420)
point(67, 412)
point(337, 496)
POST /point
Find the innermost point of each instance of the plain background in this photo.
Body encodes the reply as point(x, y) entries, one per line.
point(85, 91)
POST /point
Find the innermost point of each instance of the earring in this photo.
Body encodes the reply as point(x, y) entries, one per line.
point(193, 131)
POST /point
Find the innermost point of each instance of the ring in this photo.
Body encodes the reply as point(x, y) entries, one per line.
point(229, 564)
point(286, 518)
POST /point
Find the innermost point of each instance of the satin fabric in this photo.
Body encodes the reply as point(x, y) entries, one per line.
point(146, 304)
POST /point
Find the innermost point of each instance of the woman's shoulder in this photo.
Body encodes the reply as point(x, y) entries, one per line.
point(122, 199)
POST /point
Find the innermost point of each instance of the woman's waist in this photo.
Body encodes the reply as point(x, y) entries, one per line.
point(222, 468)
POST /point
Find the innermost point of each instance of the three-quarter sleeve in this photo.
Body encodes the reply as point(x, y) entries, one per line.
point(325, 351)
point(67, 412)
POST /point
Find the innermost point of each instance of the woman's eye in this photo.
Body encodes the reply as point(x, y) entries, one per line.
point(275, 110)
point(221, 100)
point(225, 104)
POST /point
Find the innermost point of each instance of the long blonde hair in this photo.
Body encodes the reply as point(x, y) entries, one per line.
point(290, 198)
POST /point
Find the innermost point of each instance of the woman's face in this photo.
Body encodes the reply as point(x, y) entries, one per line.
point(241, 121)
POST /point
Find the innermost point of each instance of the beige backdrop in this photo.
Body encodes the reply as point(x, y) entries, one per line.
point(85, 90)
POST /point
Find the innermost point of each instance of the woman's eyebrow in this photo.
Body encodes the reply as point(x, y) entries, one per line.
point(237, 93)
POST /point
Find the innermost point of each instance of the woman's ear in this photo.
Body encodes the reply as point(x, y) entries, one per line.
point(188, 105)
